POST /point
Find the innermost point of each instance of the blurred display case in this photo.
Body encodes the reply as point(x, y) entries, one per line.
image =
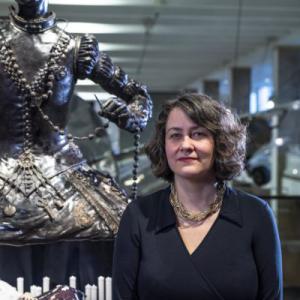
point(122, 165)
point(273, 173)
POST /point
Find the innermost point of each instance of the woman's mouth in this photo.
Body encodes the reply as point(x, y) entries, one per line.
point(187, 159)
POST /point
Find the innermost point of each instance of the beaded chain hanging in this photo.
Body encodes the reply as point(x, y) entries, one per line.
point(134, 187)
point(186, 215)
point(136, 143)
point(41, 87)
point(40, 91)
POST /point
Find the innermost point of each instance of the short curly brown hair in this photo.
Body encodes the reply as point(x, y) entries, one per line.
point(228, 132)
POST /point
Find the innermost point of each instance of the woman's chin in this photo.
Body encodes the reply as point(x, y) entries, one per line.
point(195, 175)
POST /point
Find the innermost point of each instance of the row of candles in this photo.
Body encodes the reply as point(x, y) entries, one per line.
point(101, 291)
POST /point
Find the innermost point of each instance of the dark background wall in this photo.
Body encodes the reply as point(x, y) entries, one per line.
point(288, 74)
point(240, 89)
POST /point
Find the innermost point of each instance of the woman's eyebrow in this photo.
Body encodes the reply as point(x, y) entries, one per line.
point(174, 128)
point(196, 127)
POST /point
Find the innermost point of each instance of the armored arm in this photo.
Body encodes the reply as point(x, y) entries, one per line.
point(132, 105)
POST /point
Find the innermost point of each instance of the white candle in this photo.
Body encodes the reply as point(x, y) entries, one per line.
point(108, 289)
point(101, 288)
point(88, 292)
point(72, 282)
point(38, 291)
point(20, 285)
point(32, 290)
point(94, 292)
point(46, 284)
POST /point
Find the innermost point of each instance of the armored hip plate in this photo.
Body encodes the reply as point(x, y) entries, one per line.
point(46, 198)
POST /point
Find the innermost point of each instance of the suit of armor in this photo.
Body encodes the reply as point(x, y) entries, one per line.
point(47, 191)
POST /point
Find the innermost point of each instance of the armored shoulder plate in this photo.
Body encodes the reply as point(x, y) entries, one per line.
point(87, 55)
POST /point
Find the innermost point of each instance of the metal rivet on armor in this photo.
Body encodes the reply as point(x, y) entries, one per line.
point(51, 77)
point(99, 131)
point(50, 84)
point(61, 73)
point(9, 210)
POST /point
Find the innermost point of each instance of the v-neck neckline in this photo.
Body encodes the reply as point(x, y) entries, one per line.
point(203, 241)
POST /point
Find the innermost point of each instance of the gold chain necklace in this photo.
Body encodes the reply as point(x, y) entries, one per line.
point(184, 214)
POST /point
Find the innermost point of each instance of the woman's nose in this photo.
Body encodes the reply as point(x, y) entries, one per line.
point(186, 144)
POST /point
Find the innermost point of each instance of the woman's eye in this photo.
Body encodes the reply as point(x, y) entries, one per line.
point(197, 134)
point(175, 136)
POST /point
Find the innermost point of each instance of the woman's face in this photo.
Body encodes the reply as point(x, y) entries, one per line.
point(189, 148)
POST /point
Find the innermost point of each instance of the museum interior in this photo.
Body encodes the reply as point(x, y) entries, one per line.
point(243, 53)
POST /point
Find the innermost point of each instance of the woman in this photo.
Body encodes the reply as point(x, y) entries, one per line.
point(197, 239)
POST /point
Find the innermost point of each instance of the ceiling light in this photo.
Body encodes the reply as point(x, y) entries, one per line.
point(296, 105)
point(95, 2)
point(119, 47)
point(270, 104)
point(82, 27)
point(129, 182)
point(279, 141)
point(88, 96)
point(85, 82)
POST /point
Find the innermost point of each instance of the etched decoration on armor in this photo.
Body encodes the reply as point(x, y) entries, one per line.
point(47, 191)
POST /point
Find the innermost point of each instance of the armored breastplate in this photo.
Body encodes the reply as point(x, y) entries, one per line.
point(36, 84)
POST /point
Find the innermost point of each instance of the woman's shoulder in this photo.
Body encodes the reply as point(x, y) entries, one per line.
point(150, 201)
point(246, 197)
point(249, 203)
point(155, 195)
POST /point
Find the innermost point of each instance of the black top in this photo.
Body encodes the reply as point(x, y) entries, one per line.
point(239, 259)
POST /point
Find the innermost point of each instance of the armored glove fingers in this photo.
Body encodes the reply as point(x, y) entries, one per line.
point(117, 111)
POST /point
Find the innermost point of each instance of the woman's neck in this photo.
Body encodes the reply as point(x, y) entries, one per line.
point(195, 195)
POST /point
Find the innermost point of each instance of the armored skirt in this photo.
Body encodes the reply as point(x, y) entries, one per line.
point(56, 197)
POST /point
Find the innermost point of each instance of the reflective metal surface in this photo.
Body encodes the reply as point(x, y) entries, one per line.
point(47, 191)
